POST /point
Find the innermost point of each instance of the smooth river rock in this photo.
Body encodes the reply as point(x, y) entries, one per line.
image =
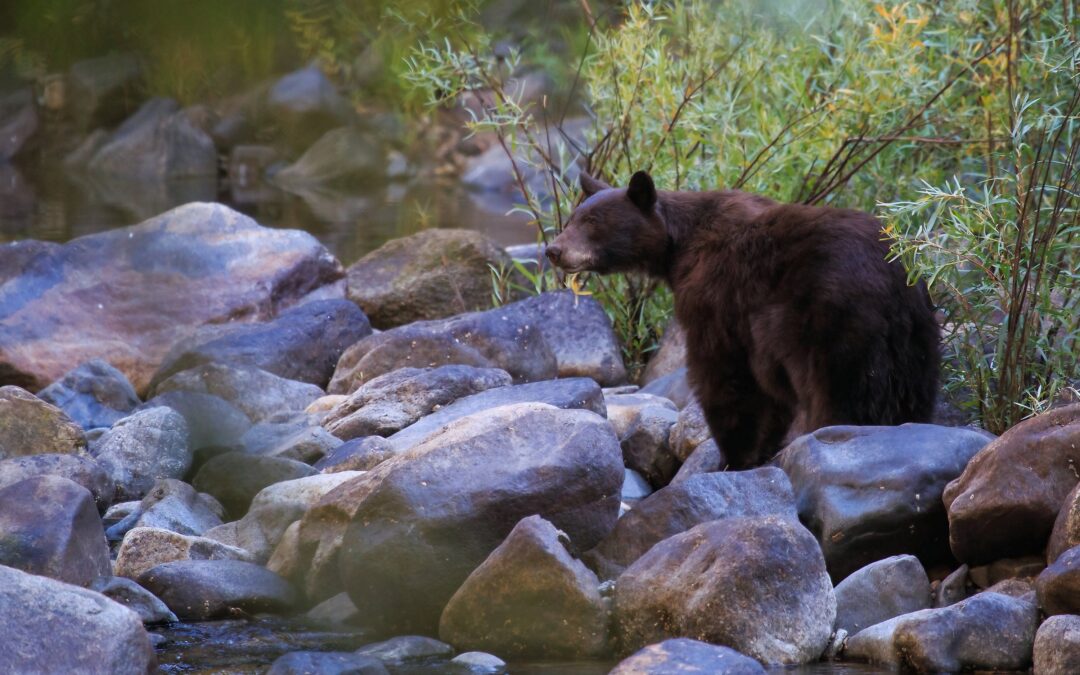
point(683, 655)
point(1066, 531)
point(1058, 586)
point(79, 468)
point(235, 478)
point(94, 395)
point(140, 449)
point(144, 548)
point(1057, 646)
point(30, 426)
point(257, 393)
point(881, 591)
point(199, 590)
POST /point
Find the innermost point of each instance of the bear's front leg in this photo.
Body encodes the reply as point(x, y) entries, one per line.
point(747, 424)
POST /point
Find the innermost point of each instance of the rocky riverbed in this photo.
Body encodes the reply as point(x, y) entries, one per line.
point(220, 449)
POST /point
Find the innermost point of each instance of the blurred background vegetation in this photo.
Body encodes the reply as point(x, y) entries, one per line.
point(957, 123)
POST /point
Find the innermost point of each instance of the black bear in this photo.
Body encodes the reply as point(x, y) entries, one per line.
point(794, 317)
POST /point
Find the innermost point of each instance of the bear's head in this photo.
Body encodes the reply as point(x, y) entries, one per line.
point(613, 230)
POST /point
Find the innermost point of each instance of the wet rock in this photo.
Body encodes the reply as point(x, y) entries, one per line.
point(1066, 531)
point(690, 431)
point(706, 458)
point(416, 531)
point(30, 426)
point(952, 588)
point(755, 584)
point(359, 454)
point(78, 468)
point(1058, 586)
point(302, 344)
point(171, 505)
point(298, 438)
point(197, 590)
point(94, 395)
point(194, 265)
point(478, 663)
point(211, 421)
point(395, 400)
point(881, 591)
point(50, 526)
point(988, 631)
point(643, 424)
point(673, 386)
point(140, 449)
point(430, 275)
point(1057, 646)
point(871, 492)
point(326, 663)
point(305, 104)
point(234, 478)
point(256, 392)
point(274, 509)
point(1005, 502)
point(134, 597)
point(144, 548)
point(336, 610)
point(671, 355)
point(405, 649)
point(18, 122)
point(683, 655)
point(553, 334)
point(158, 141)
point(530, 598)
point(104, 90)
point(697, 500)
point(344, 154)
point(109, 637)
point(985, 576)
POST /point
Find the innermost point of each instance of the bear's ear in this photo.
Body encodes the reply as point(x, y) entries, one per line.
point(590, 185)
point(642, 191)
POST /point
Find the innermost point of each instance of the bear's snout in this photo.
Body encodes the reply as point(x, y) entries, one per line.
point(554, 253)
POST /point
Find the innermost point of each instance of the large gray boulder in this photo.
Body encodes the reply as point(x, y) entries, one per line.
point(683, 655)
point(395, 400)
point(94, 395)
point(755, 584)
point(420, 523)
point(198, 590)
point(1005, 502)
point(52, 627)
point(881, 591)
point(430, 275)
point(194, 265)
point(871, 492)
point(140, 449)
point(30, 426)
point(1057, 646)
point(81, 469)
point(257, 393)
point(50, 526)
point(677, 508)
point(529, 599)
point(158, 141)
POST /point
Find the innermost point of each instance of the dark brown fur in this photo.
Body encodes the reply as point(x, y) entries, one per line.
point(794, 318)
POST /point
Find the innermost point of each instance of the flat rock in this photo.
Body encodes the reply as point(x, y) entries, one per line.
point(93, 395)
point(881, 591)
point(136, 598)
point(171, 505)
point(683, 655)
point(30, 426)
point(234, 478)
point(697, 500)
point(988, 631)
point(530, 598)
point(1058, 586)
point(140, 449)
point(86, 632)
point(257, 393)
point(50, 526)
point(198, 590)
point(391, 402)
point(755, 584)
point(194, 265)
point(78, 468)
point(326, 663)
point(871, 492)
point(433, 274)
point(1057, 646)
point(144, 548)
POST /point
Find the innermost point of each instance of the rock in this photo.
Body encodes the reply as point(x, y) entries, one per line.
point(549, 335)
point(50, 526)
point(326, 663)
point(430, 275)
point(530, 598)
point(706, 458)
point(247, 163)
point(416, 531)
point(43, 617)
point(305, 104)
point(336, 610)
point(625, 407)
point(256, 392)
point(211, 421)
point(671, 355)
point(171, 505)
point(478, 663)
point(30, 426)
point(144, 548)
point(298, 438)
point(988, 631)
point(395, 400)
point(234, 478)
point(359, 454)
point(325, 404)
point(134, 597)
point(643, 424)
point(575, 392)
point(872, 492)
point(952, 588)
point(344, 154)
point(1066, 531)
point(140, 449)
point(17, 256)
point(286, 559)
point(673, 386)
point(1005, 502)
point(194, 265)
point(198, 590)
point(1028, 566)
point(407, 649)
point(78, 468)
point(683, 655)
point(697, 500)
point(302, 344)
point(690, 431)
point(158, 141)
point(1058, 586)
point(275, 508)
point(94, 395)
point(755, 584)
point(635, 487)
point(881, 591)
point(19, 122)
point(1057, 646)
point(104, 90)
